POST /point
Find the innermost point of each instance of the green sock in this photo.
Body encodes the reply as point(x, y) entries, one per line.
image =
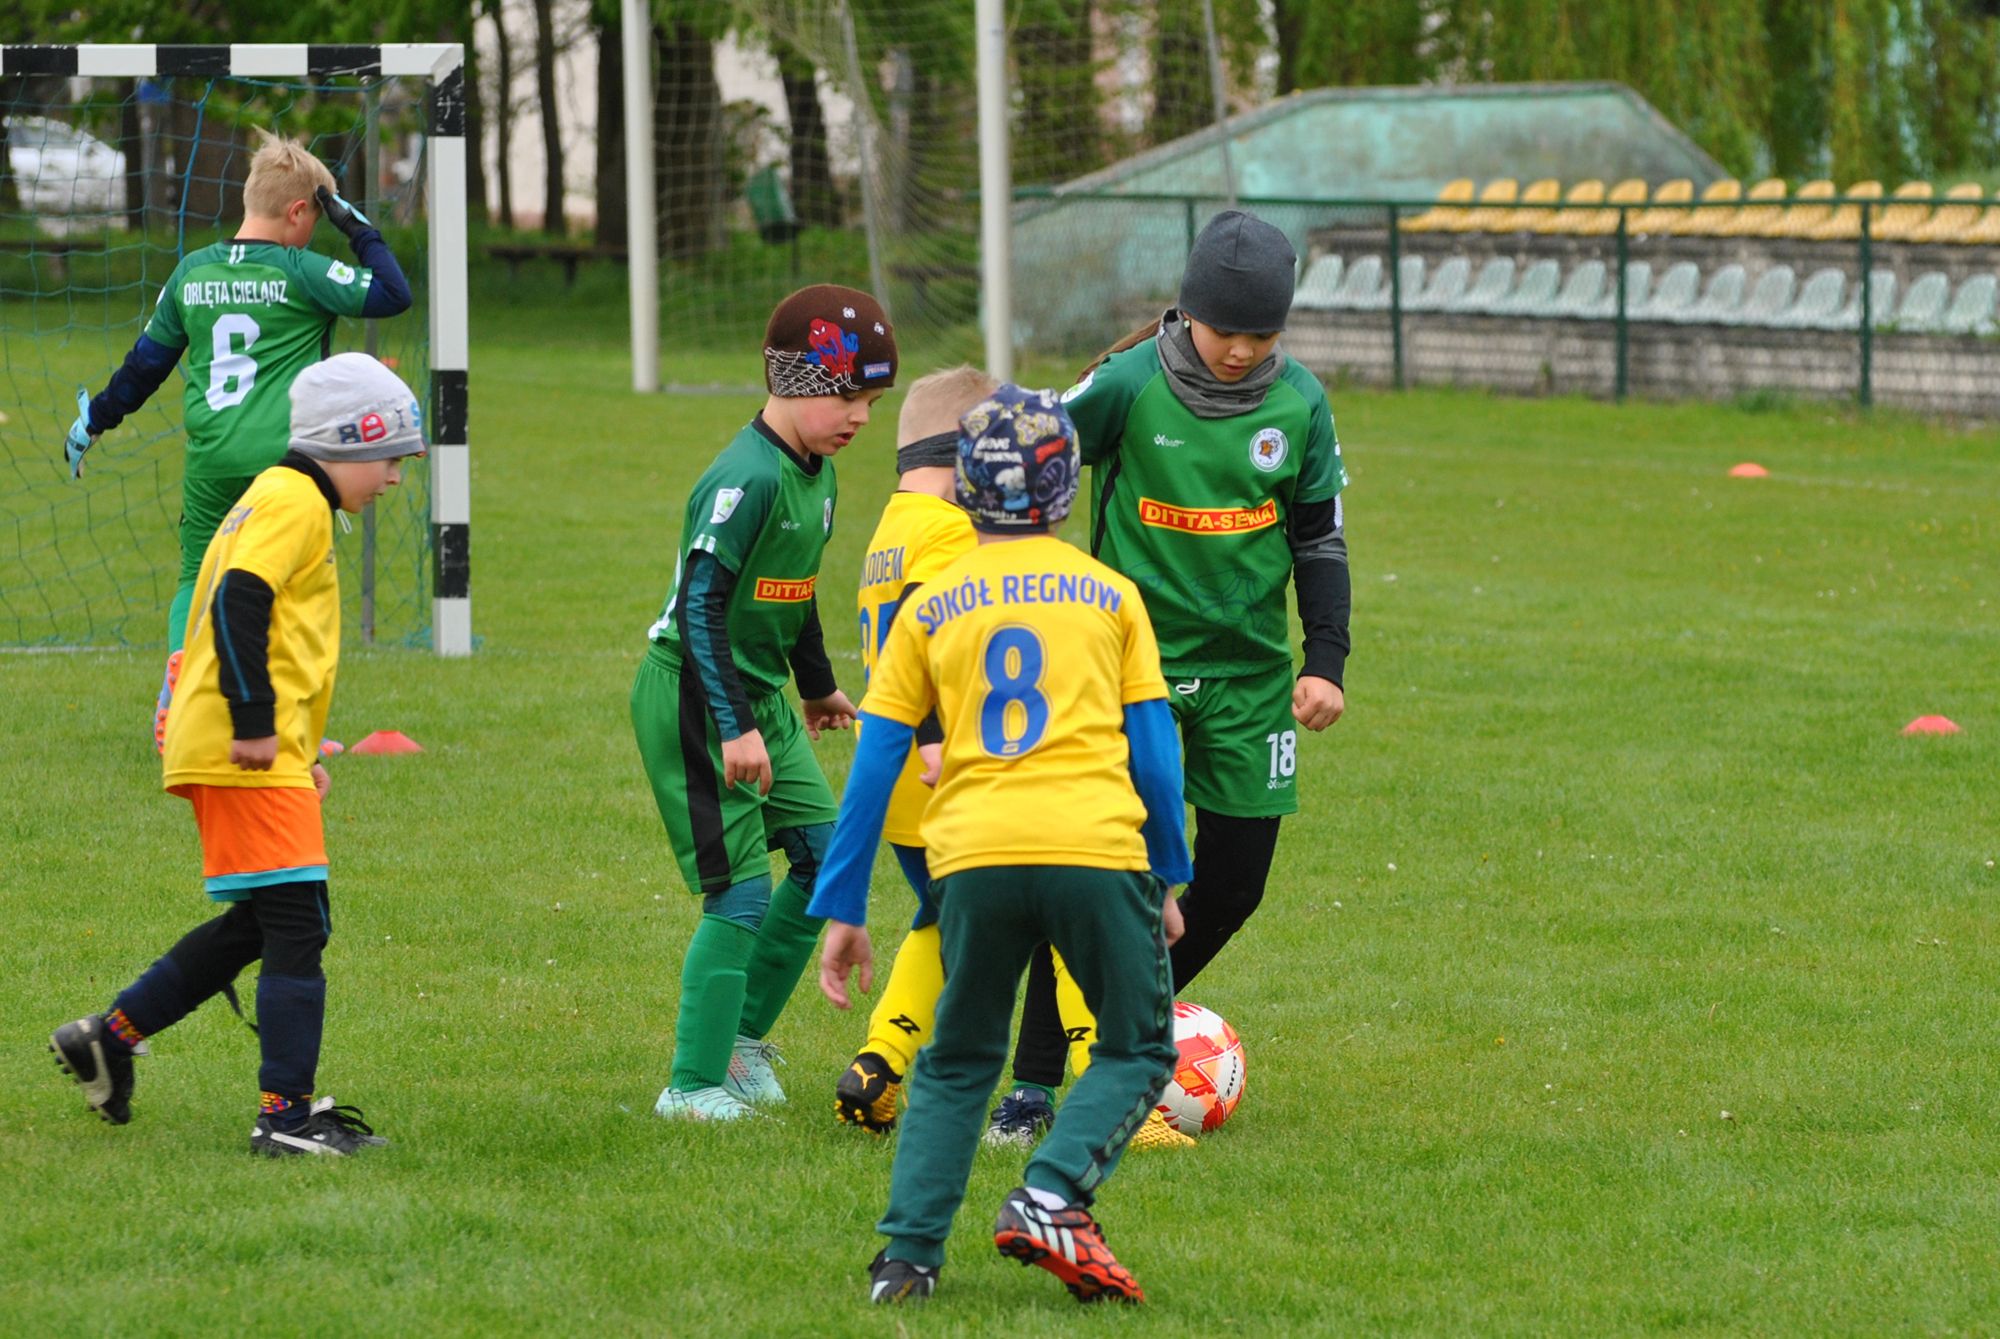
point(784, 946)
point(713, 980)
point(177, 616)
point(1041, 1088)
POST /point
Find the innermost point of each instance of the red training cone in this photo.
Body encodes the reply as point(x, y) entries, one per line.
point(388, 741)
point(1931, 725)
point(1749, 469)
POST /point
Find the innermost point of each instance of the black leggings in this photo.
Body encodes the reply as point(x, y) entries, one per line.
point(1232, 863)
point(286, 925)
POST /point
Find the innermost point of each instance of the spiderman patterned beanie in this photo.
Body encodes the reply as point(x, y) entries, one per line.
point(1017, 461)
point(829, 340)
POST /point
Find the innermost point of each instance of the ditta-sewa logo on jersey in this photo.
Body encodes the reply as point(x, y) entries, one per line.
point(725, 505)
point(772, 590)
point(1208, 520)
point(1267, 449)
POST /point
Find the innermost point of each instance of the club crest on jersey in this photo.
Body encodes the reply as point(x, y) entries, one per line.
point(1080, 387)
point(340, 272)
point(725, 505)
point(1267, 449)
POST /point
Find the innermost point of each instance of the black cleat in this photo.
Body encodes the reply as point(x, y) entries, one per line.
point(1068, 1243)
point(101, 1066)
point(867, 1093)
point(893, 1282)
point(328, 1131)
point(1020, 1120)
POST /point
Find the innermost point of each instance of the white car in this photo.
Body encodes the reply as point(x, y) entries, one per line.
point(69, 177)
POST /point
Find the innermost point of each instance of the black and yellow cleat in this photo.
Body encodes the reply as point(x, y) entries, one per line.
point(1068, 1243)
point(868, 1094)
point(892, 1282)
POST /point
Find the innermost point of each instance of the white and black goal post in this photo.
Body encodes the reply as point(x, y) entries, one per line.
point(441, 68)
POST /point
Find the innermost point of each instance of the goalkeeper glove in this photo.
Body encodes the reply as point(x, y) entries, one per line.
point(80, 438)
point(341, 214)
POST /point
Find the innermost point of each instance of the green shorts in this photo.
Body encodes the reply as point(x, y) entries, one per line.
point(721, 835)
point(204, 504)
point(1239, 743)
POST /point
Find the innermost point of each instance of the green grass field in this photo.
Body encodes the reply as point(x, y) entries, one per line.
point(1627, 970)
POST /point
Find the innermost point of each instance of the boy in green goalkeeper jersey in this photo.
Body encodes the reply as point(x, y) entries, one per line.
point(249, 315)
point(724, 751)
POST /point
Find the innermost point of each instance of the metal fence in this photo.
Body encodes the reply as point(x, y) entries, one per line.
point(1612, 300)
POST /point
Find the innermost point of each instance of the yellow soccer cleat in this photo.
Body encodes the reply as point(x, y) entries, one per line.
point(1154, 1132)
point(868, 1094)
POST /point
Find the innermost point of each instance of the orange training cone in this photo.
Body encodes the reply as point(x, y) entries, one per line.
point(330, 747)
point(1931, 725)
point(387, 741)
point(1749, 469)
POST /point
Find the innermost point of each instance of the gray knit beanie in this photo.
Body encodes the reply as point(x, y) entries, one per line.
point(1239, 275)
point(350, 407)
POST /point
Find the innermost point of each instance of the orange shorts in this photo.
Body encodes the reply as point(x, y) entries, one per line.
point(254, 836)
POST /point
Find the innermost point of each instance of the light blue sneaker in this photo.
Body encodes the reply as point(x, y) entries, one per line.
point(752, 1075)
point(702, 1104)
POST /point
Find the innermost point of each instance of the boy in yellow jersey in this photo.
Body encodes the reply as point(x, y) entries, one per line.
point(242, 743)
point(1059, 791)
point(922, 531)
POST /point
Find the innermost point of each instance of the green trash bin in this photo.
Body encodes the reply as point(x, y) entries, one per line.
point(771, 207)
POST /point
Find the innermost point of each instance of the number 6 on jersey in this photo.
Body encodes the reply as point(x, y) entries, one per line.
point(1013, 715)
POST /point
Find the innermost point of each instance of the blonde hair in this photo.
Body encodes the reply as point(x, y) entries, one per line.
point(935, 402)
point(284, 170)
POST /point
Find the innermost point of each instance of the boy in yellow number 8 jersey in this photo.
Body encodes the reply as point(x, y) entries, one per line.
point(1059, 791)
point(923, 530)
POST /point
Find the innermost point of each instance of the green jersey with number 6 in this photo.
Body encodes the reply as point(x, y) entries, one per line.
point(252, 316)
point(1197, 510)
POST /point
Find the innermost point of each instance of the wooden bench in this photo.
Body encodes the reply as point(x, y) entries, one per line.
point(570, 254)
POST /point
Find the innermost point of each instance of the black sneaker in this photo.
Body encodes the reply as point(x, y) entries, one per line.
point(1021, 1119)
point(1068, 1243)
point(892, 1282)
point(328, 1129)
point(102, 1066)
point(867, 1093)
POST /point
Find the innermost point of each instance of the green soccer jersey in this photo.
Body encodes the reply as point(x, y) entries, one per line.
point(1197, 510)
point(759, 513)
point(252, 316)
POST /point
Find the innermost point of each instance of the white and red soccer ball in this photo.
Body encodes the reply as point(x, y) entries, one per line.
point(1208, 1074)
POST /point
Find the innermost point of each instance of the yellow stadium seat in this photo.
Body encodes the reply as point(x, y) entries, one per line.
point(1752, 219)
point(1604, 222)
point(1983, 232)
point(1544, 192)
point(1455, 193)
point(1718, 203)
point(1678, 191)
point(1898, 221)
point(1845, 224)
point(1575, 210)
point(1495, 203)
point(1801, 215)
point(1960, 211)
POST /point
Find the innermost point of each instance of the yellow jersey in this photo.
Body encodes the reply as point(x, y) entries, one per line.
point(918, 536)
point(1030, 650)
point(282, 532)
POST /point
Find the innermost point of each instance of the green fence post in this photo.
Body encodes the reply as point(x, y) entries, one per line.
point(1621, 338)
point(1188, 204)
point(1396, 291)
point(1867, 310)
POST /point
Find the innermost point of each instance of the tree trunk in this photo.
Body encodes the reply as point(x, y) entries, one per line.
point(1183, 99)
point(611, 230)
point(1288, 21)
point(687, 151)
point(503, 111)
point(475, 139)
point(553, 221)
point(813, 195)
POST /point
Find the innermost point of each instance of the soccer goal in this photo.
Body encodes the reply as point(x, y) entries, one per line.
point(115, 161)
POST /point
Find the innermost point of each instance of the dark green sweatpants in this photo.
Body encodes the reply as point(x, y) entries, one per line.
point(1107, 926)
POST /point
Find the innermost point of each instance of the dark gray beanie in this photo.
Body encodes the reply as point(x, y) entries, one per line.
point(1239, 275)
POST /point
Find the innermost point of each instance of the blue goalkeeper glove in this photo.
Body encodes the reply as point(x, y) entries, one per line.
point(340, 213)
point(80, 438)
